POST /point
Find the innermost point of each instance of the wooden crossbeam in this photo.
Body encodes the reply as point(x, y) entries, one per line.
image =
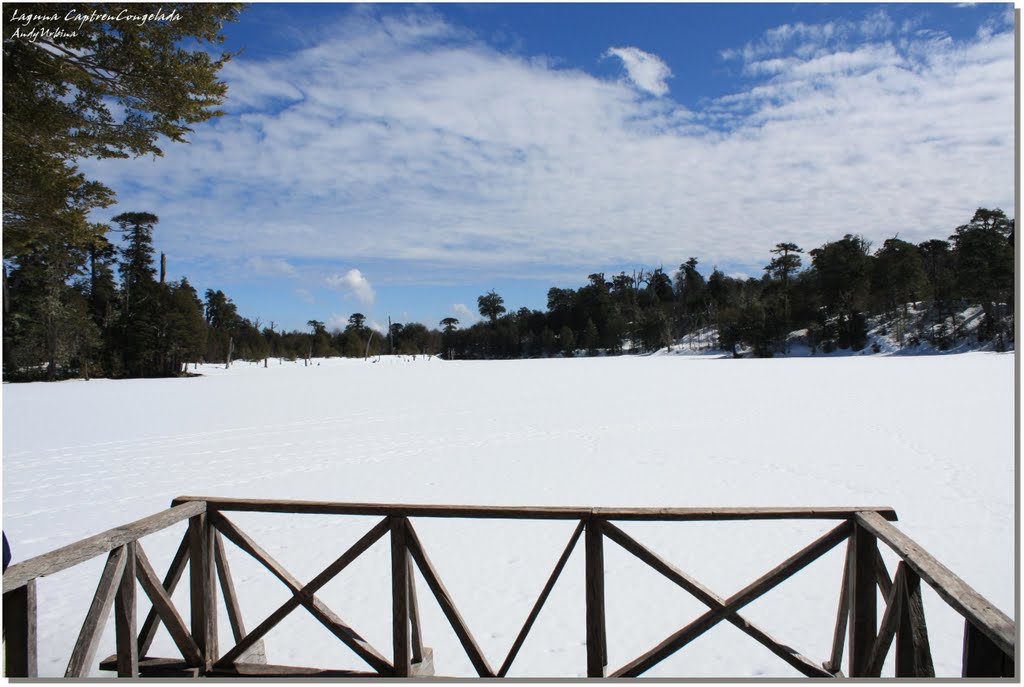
point(89, 637)
point(765, 583)
point(890, 623)
point(835, 662)
point(315, 606)
point(414, 617)
point(448, 607)
point(539, 604)
point(713, 601)
point(164, 609)
point(882, 574)
point(913, 651)
point(988, 619)
point(170, 583)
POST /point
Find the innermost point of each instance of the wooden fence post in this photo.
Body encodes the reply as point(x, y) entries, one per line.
point(982, 658)
point(863, 600)
point(400, 597)
point(20, 631)
point(203, 581)
point(597, 648)
point(125, 617)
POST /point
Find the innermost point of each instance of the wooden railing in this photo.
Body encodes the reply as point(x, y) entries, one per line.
point(989, 635)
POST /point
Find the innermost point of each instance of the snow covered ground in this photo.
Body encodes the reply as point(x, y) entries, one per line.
point(930, 436)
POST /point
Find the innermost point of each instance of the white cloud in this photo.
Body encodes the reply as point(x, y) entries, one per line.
point(647, 71)
point(336, 322)
point(400, 140)
point(305, 296)
point(463, 313)
point(356, 283)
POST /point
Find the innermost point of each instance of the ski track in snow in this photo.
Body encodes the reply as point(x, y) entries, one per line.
point(930, 436)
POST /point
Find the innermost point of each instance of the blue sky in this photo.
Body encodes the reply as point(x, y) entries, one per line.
point(401, 160)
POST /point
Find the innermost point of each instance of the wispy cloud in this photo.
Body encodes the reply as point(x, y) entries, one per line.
point(401, 138)
point(645, 70)
point(259, 265)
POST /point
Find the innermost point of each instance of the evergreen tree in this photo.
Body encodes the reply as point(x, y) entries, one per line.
point(843, 272)
point(182, 328)
point(898, 279)
point(491, 305)
point(139, 326)
point(568, 341)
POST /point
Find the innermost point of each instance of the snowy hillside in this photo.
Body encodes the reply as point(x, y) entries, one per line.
point(918, 333)
point(931, 436)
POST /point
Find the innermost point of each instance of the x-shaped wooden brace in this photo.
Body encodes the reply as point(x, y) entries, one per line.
point(726, 609)
point(304, 595)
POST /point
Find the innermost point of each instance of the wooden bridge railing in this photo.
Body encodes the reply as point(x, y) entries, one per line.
point(989, 635)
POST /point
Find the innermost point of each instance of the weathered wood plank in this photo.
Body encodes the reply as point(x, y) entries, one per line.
point(890, 622)
point(263, 670)
point(597, 648)
point(212, 636)
point(89, 637)
point(882, 574)
point(164, 609)
point(712, 600)
point(170, 583)
point(863, 601)
point(317, 608)
point(258, 653)
point(762, 585)
point(414, 617)
point(124, 617)
point(835, 662)
point(200, 591)
point(988, 619)
point(532, 512)
point(535, 611)
point(104, 542)
point(156, 667)
point(448, 607)
point(227, 586)
point(20, 640)
point(982, 658)
point(913, 651)
point(400, 598)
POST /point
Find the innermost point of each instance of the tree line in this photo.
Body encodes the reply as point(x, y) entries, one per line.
point(831, 296)
point(118, 318)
